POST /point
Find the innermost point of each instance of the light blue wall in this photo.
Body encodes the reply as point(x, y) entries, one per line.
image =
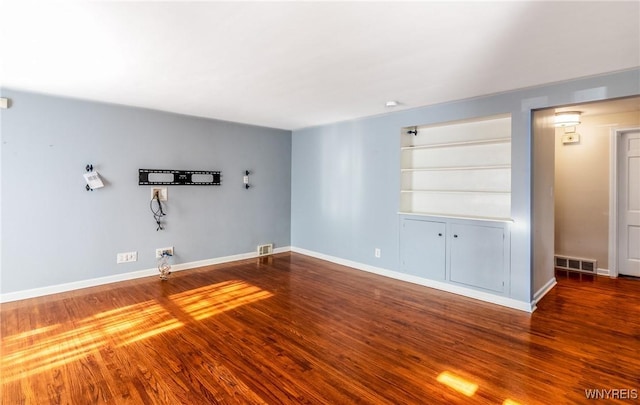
point(346, 180)
point(331, 189)
point(55, 232)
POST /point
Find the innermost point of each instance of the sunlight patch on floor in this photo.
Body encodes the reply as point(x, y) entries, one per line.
point(464, 386)
point(510, 402)
point(207, 301)
point(41, 349)
point(22, 335)
point(458, 383)
point(26, 354)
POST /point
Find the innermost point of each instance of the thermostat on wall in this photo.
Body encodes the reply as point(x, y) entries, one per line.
point(570, 138)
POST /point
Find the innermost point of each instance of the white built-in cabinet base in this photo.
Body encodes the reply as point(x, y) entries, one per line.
point(467, 252)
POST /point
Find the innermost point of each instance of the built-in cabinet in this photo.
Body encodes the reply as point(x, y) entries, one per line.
point(477, 256)
point(423, 249)
point(455, 203)
point(472, 254)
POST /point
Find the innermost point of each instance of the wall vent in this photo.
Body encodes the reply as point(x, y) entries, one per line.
point(264, 250)
point(576, 264)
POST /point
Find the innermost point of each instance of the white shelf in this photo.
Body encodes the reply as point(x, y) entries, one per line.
point(472, 217)
point(456, 144)
point(456, 191)
point(443, 168)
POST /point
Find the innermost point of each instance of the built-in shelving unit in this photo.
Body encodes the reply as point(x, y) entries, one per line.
point(460, 169)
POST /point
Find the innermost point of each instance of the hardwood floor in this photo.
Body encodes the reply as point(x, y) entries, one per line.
point(293, 329)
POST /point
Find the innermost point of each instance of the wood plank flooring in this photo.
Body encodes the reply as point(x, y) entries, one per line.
point(290, 329)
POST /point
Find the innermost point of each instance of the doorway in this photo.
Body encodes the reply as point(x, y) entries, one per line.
point(575, 204)
point(626, 227)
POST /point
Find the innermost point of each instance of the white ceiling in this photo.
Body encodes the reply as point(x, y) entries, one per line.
point(297, 64)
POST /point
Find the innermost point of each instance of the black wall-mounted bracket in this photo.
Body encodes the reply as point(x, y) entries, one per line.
point(245, 179)
point(154, 177)
point(89, 168)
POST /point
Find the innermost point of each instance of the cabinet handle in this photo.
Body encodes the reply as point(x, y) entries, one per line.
point(455, 236)
point(439, 234)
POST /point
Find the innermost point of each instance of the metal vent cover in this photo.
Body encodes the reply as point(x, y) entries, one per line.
point(264, 250)
point(576, 264)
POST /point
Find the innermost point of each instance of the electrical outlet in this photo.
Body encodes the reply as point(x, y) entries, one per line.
point(127, 257)
point(162, 193)
point(376, 253)
point(160, 251)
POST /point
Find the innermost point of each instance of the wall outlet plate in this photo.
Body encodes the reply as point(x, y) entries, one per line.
point(162, 192)
point(162, 250)
point(127, 257)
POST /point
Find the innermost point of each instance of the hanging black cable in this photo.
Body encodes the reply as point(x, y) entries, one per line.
point(157, 213)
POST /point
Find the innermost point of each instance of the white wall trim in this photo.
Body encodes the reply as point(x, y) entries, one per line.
point(604, 272)
point(548, 286)
point(467, 292)
point(76, 285)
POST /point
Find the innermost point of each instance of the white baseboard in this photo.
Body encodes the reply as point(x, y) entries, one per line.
point(76, 285)
point(604, 272)
point(467, 292)
point(548, 286)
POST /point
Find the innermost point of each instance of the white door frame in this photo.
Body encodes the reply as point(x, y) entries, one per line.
point(614, 142)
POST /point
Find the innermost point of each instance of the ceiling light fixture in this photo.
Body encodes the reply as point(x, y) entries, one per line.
point(391, 103)
point(567, 119)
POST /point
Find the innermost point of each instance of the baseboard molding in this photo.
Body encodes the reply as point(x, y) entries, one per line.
point(76, 285)
point(544, 290)
point(467, 292)
point(604, 272)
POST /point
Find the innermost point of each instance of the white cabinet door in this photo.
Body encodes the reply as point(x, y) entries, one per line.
point(477, 256)
point(423, 249)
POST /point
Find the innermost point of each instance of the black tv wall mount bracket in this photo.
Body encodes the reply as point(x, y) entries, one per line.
point(154, 177)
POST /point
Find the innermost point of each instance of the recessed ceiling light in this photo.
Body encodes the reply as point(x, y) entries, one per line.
point(391, 103)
